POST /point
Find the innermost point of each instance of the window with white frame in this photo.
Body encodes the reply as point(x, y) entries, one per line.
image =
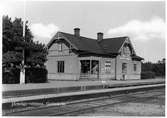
point(124, 67)
point(60, 66)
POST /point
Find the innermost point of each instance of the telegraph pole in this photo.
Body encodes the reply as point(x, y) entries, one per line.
point(22, 71)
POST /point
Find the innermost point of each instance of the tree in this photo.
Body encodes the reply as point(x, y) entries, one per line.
point(157, 68)
point(147, 66)
point(14, 43)
point(7, 34)
point(12, 57)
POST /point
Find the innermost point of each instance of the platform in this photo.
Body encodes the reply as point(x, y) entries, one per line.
point(79, 93)
point(62, 84)
point(27, 91)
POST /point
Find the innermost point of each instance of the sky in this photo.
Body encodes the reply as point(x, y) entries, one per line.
point(143, 22)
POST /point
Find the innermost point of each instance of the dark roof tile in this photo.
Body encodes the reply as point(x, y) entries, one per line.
point(84, 44)
point(112, 45)
point(106, 46)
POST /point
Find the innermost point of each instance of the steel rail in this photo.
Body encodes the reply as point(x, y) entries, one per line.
point(75, 112)
point(88, 102)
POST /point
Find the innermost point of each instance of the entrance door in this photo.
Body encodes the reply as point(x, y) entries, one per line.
point(89, 69)
point(85, 69)
point(124, 70)
point(95, 69)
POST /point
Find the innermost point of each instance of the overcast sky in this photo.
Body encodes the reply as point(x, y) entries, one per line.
point(143, 22)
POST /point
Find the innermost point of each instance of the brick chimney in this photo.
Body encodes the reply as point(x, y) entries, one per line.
point(99, 36)
point(77, 32)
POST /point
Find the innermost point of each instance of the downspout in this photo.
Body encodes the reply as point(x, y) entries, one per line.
point(90, 68)
point(99, 69)
point(116, 68)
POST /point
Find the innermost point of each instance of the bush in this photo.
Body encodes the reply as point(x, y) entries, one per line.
point(159, 69)
point(36, 75)
point(11, 76)
point(33, 75)
point(147, 75)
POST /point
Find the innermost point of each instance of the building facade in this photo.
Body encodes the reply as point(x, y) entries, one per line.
point(73, 57)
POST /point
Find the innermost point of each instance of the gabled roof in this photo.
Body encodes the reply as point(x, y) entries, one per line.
point(84, 44)
point(112, 45)
point(106, 46)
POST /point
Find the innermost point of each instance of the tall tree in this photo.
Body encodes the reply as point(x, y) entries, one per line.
point(13, 43)
point(157, 68)
point(7, 34)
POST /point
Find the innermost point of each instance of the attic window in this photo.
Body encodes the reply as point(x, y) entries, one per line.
point(126, 50)
point(60, 47)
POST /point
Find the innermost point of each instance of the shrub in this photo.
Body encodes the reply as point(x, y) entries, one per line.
point(147, 75)
point(11, 76)
point(33, 75)
point(159, 69)
point(36, 75)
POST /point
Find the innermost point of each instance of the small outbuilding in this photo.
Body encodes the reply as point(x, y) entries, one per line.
point(74, 57)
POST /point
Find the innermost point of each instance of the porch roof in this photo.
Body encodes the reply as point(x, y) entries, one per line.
point(135, 57)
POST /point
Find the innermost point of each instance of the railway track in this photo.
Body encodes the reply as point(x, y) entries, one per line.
point(77, 107)
point(97, 104)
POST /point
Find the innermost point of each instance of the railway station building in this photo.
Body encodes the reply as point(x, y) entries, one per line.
point(74, 57)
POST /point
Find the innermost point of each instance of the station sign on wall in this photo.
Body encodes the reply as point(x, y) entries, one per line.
point(107, 66)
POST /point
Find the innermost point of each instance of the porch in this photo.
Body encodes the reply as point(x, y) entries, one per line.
point(89, 68)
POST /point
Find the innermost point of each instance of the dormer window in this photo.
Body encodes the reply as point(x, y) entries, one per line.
point(126, 51)
point(60, 47)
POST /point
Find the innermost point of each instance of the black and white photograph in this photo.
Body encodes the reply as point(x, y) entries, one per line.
point(83, 58)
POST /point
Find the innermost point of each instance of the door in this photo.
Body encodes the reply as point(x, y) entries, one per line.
point(95, 69)
point(124, 71)
point(89, 69)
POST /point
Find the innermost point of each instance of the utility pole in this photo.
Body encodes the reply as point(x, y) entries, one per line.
point(22, 71)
